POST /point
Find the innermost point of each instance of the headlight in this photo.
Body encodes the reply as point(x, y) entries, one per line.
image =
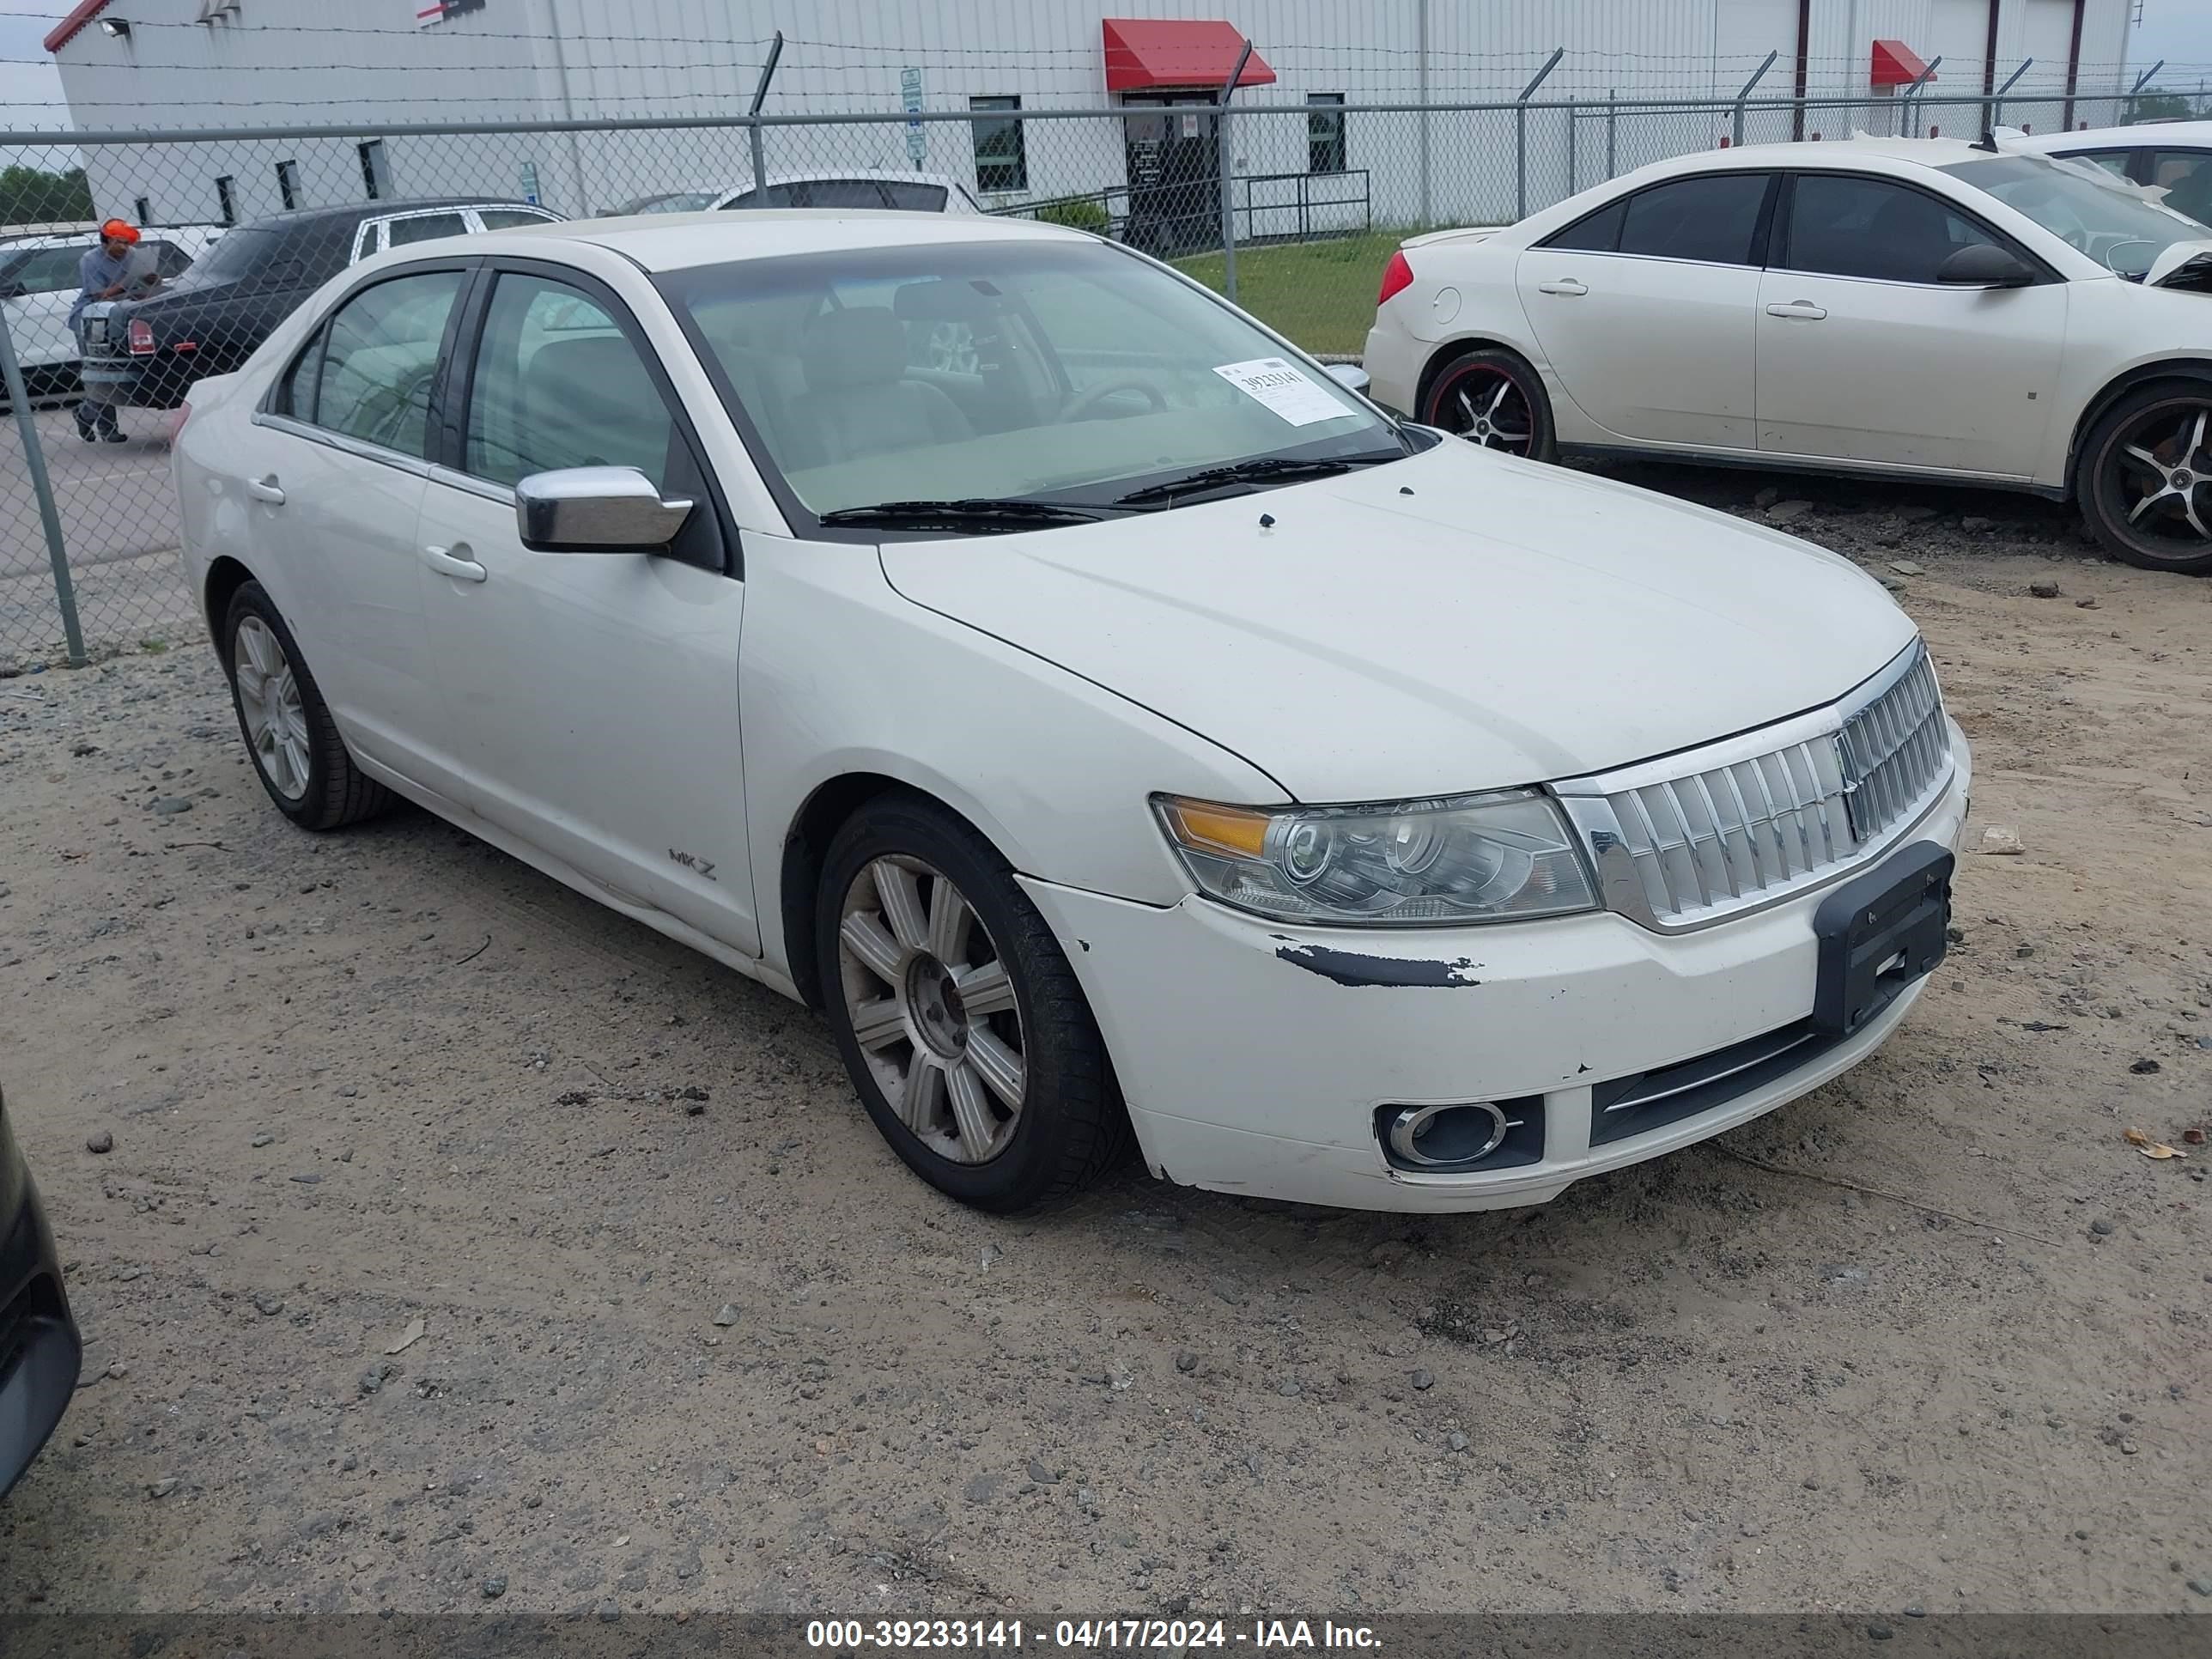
point(1502, 857)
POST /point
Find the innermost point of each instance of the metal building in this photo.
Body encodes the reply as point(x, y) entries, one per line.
point(182, 64)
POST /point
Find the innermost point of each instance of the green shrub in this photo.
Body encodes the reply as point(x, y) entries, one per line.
point(1084, 215)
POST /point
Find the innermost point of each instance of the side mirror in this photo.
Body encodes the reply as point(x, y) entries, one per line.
point(595, 509)
point(1984, 265)
point(1350, 376)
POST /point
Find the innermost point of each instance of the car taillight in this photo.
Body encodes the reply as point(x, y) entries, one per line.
point(141, 338)
point(1397, 276)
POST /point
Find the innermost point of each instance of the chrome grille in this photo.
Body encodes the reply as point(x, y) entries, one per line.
point(1699, 836)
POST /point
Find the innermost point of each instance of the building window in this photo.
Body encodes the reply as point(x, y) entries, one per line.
point(142, 206)
point(287, 183)
point(375, 172)
point(1325, 132)
point(226, 200)
point(1001, 161)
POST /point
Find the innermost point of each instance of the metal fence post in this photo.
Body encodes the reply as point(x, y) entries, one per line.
point(35, 463)
point(2128, 116)
point(1520, 134)
point(1994, 112)
point(1908, 106)
point(1226, 157)
point(1572, 122)
point(1757, 75)
point(1612, 126)
point(753, 115)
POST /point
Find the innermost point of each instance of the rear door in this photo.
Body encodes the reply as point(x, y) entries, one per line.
point(1646, 309)
point(1864, 356)
point(333, 474)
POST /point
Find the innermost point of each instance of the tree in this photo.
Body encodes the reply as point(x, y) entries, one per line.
point(2158, 105)
point(33, 196)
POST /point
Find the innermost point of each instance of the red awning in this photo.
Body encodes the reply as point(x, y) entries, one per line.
point(1147, 51)
point(1896, 65)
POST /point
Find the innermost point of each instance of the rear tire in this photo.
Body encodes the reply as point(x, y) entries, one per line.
point(1494, 399)
point(2144, 478)
point(293, 743)
point(962, 1024)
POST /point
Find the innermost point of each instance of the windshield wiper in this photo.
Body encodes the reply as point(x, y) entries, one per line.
point(1267, 468)
point(980, 514)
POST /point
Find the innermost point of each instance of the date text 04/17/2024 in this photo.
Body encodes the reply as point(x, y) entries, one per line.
point(1142, 1635)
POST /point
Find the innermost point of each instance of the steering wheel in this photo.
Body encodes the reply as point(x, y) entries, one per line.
point(1082, 402)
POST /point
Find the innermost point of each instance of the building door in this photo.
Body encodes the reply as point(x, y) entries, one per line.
point(1174, 157)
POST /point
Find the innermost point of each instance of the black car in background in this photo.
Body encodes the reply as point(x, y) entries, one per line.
point(40, 1349)
point(211, 319)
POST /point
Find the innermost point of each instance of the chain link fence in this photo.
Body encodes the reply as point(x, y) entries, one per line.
point(1290, 207)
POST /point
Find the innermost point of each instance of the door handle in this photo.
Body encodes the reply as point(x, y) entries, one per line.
point(1804, 309)
point(1566, 285)
point(265, 489)
point(445, 562)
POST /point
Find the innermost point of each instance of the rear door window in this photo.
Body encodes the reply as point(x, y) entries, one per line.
point(1710, 219)
point(2185, 175)
point(379, 358)
point(423, 227)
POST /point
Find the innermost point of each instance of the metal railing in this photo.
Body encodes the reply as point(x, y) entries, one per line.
point(1228, 189)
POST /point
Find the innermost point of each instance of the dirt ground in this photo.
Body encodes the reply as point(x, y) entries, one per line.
point(686, 1336)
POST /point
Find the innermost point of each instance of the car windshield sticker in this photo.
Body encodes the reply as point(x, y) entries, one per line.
point(1284, 387)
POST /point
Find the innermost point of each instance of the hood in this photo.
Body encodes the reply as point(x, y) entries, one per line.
point(2186, 264)
point(1454, 622)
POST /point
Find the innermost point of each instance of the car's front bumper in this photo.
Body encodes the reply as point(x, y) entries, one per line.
point(39, 1348)
point(1256, 1057)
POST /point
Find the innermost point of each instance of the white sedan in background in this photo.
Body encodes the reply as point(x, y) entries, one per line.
point(2173, 157)
point(1133, 729)
point(1920, 308)
point(862, 188)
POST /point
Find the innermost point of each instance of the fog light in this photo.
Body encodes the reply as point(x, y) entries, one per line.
point(1446, 1137)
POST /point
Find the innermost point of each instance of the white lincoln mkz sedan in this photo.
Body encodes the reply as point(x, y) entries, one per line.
point(1127, 729)
point(1903, 307)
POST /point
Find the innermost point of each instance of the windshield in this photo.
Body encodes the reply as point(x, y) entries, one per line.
point(2085, 207)
point(1025, 371)
point(688, 201)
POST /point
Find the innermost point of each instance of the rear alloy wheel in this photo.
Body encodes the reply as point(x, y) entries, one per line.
point(297, 752)
point(958, 1016)
point(2146, 479)
point(1492, 398)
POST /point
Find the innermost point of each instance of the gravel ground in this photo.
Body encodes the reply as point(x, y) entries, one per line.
point(459, 1240)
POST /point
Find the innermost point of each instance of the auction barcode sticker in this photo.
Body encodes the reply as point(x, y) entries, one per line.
point(1283, 387)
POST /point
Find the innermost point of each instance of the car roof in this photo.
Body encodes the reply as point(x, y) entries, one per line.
point(2149, 135)
point(358, 211)
point(1872, 154)
point(87, 238)
point(675, 241)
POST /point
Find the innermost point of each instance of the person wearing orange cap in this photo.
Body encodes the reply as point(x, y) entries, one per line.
point(111, 271)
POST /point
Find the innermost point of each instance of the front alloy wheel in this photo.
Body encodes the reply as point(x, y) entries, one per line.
point(2146, 484)
point(961, 1022)
point(933, 1008)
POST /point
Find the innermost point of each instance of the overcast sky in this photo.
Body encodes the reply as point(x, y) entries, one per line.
point(2179, 31)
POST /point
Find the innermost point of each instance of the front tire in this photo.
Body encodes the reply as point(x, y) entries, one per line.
point(2145, 478)
point(1494, 399)
point(959, 1020)
point(296, 751)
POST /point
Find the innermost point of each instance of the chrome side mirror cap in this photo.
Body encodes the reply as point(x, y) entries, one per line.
point(596, 509)
point(1350, 376)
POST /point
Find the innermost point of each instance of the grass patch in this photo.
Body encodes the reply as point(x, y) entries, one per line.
point(1320, 294)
